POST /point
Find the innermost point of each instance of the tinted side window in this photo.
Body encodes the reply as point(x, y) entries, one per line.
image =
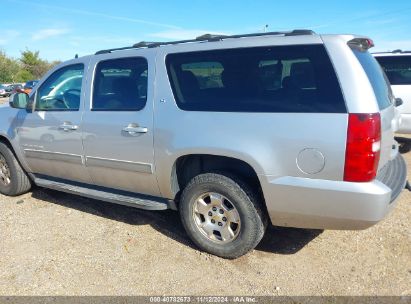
point(62, 90)
point(261, 79)
point(120, 85)
point(397, 69)
point(208, 74)
point(376, 77)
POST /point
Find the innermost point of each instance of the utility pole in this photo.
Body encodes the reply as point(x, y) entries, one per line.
point(265, 28)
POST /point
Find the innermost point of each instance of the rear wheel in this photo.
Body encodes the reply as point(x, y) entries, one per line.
point(222, 215)
point(13, 180)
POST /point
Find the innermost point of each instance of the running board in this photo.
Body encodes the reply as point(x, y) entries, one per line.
point(100, 193)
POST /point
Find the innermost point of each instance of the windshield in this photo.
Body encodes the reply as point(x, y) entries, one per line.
point(30, 84)
point(397, 68)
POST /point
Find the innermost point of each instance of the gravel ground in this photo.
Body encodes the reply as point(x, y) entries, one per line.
point(59, 244)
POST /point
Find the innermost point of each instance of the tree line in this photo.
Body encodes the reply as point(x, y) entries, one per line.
point(28, 67)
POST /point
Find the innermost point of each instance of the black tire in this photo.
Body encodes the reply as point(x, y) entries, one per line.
point(19, 181)
point(249, 206)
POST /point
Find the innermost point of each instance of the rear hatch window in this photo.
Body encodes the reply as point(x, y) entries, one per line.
point(376, 76)
point(296, 79)
point(397, 68)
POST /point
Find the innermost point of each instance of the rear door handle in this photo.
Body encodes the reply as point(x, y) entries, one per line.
point(68, 127)
point(132, 130)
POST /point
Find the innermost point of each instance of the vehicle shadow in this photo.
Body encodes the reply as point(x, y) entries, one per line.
point(285, 240)
point(277, 240)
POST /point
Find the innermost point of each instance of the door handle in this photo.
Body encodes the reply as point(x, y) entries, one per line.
point(68, 127)
point(132, 129)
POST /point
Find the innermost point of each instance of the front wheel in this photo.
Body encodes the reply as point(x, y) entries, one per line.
point(222, 215)
point(13, 180)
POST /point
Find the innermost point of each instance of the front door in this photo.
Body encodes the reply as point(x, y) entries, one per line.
point(118, 126)
point(51, 136)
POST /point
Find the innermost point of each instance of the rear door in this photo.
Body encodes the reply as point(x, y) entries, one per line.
point(118, 125)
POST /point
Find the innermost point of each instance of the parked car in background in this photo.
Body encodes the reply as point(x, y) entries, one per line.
point(9, 89)
point(3, 92)
point(397, 67)
point(29, 85)
point(299, 134)
point(14, 88)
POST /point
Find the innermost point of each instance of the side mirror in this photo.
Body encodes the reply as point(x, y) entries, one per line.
point(19, 100)
point(398, 102)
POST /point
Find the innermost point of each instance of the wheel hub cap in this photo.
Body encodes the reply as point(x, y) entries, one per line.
point(216, 217)
point(4, 171)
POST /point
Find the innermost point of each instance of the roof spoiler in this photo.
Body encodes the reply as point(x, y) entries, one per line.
point(361, 43)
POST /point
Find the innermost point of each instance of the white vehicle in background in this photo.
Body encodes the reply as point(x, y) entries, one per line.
point(397, 67)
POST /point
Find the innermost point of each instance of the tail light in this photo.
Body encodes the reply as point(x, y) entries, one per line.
point(363, 147)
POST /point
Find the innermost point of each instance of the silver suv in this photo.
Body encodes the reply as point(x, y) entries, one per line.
point(235, 132)
point(397, 67)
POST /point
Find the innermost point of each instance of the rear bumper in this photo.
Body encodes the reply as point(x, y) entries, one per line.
point(324, 204)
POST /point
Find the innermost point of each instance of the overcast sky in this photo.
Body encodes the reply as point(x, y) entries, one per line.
point(60, 29)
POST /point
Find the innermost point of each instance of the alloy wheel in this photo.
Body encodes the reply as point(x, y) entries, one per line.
point(216, 217)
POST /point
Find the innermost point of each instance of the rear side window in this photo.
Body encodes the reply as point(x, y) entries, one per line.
point(376, 77)
point(397, 69)
point(120, 85)
point(295, 79)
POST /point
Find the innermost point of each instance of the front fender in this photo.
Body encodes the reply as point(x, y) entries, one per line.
point(9, 123)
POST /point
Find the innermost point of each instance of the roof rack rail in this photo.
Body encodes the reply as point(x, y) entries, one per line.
point(143, 44)
point(111, 50)
point(287, 33)
point(206, 38)
point(210, 37)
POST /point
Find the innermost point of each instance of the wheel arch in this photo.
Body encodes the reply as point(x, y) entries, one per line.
point(185, 167)
point(5, 139)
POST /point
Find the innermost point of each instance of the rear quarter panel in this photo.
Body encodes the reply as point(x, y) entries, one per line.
point(358, 91)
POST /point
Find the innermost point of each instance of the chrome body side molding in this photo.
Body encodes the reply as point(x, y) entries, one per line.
point(119, 164)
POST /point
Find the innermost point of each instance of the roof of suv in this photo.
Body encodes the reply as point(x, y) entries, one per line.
point(208, 41)
point(393, 53)
point(207, 38)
